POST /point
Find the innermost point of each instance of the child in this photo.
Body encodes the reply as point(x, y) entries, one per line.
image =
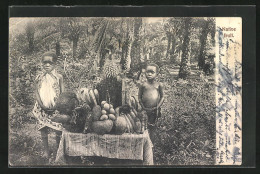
point(151, 95)
point(48, 86)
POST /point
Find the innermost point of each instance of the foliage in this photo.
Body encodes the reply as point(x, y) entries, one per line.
point(178, 140)
point(88, 46)
point(72, 28)
point(201, 39)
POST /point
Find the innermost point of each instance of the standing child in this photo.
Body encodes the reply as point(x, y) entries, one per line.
point(48, 86)
point(151, 96)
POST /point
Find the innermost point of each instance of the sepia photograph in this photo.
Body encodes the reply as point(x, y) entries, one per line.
point(125, 91)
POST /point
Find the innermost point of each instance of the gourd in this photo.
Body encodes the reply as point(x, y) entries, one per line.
point(96, 112)
point(120, 125)
point(102, 127)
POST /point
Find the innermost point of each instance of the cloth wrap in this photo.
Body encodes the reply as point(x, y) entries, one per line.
point(49, 90)
point(126, 146)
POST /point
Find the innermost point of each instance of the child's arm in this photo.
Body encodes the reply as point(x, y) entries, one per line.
point(161, 96)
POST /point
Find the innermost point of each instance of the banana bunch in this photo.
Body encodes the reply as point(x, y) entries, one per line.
point(127, 121)
point(88, 96)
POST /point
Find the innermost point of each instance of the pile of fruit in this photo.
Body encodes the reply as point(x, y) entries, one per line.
point(107, 120)
point(128, 120)
point(69, 113)
point(121, 120)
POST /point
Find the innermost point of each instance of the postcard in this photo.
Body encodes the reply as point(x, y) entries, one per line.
point(125, 91)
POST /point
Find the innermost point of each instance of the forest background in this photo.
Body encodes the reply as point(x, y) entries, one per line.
point(184, 49)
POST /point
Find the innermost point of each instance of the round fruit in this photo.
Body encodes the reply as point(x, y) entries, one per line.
point(112, 111)
point(120, 125)
point(103, 102)
point(67, 102)
point(102, 127)
point(106, 106)
point(103, 117)
point(112, 117)
point(104, 112)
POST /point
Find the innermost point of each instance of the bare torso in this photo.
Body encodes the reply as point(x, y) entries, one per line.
point(151, 95)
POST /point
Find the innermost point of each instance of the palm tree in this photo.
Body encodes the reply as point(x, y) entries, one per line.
point(72, 28)
point(30, 31)
point(174, 33)
point(207, 27)
point(185, 61)
point(128, 35)
point(136, 50)
point(48, 33)
point(203, 39)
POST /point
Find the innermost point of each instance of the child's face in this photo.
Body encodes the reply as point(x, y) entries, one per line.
point(151, 72)
point(48, 63)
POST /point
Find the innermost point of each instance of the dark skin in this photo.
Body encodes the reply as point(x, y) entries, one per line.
point(151, 74)
point(48, 65)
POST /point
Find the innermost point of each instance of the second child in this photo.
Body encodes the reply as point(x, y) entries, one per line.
point(151, 96)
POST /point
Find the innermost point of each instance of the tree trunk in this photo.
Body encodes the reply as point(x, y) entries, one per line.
point(30, 30)
point(185, 64)
point(122, 61)
point(203, 39)
point(57, 48)
point(128, 55)
point(119, 44)
point(102, 59)
point(31, 45)
point(173, 57)
point(74, 46)
point(150, 53)
point(136, 46)
point(169, 37)
point(126, 49)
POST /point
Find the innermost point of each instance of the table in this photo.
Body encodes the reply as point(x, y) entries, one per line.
point(125, 146)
